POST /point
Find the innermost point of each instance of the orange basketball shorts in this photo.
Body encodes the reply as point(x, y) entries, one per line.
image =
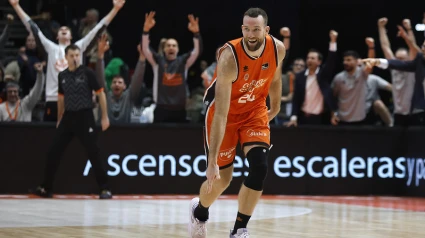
point(249, 128)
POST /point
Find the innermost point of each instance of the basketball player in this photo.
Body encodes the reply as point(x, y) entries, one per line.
point(247, 67)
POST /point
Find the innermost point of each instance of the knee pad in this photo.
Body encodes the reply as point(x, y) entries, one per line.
point(257, 158)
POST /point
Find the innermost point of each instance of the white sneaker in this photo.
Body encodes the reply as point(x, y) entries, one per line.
point(197, 229)
point(241, 233)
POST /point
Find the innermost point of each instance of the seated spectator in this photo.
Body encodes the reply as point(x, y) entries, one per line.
point(15, 109)
point(375, 107)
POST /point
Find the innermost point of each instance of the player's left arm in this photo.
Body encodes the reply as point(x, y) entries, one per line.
point(275, 91)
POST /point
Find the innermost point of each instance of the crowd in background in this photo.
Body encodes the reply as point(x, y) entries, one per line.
point(313, 93)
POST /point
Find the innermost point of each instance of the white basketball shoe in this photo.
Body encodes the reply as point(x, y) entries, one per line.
point(197, 229)
point(241, 233)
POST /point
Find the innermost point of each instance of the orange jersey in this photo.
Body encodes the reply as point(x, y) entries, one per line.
point(251, 87)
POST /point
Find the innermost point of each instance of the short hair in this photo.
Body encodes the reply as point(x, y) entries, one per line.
point(71, 47)
point(12, 84)
point(320, 56)
point(351, 53)
point(254, 12)
point(66, 27)
point(299, 58)
point(117, 76)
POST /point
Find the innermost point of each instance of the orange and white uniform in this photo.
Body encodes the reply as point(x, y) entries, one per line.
point(247, 120)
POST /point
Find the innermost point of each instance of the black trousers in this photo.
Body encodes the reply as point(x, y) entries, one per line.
point(417, 119)
point(310, 119)
point(353, 123)
point(164, 115)
point(82, 125)
point(51, 111)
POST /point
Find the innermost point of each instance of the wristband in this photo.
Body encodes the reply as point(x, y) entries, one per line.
point(145, 32)
point(196, 35)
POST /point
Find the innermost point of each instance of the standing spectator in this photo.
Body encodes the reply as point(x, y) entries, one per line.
point(170, 72)
point(418, 99)
point(288, 79)
point(120, 100)
point(403, 81)
point(350, 88)
point(313, 102)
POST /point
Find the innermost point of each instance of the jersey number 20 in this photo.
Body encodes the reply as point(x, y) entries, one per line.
point(246, 98)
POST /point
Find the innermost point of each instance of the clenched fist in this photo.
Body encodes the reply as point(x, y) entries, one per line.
point(382, 22)
point(407, 25)
point(10, 18)
point(14, 2)
point(370, 42)
point(285, 32)
point(38, 67)
point(333, 35)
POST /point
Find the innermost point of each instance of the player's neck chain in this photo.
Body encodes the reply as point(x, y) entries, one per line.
point(15, 116)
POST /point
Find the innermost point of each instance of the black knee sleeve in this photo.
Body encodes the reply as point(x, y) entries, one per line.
point(257, 158)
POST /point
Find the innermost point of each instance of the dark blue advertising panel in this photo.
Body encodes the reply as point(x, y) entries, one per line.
point(170, 160)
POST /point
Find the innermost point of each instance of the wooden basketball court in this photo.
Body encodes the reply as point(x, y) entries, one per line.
point(167, 216)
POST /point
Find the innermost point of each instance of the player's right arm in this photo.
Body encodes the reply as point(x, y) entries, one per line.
point(226, 74)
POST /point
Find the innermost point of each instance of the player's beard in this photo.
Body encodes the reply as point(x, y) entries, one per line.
point(253, 47)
